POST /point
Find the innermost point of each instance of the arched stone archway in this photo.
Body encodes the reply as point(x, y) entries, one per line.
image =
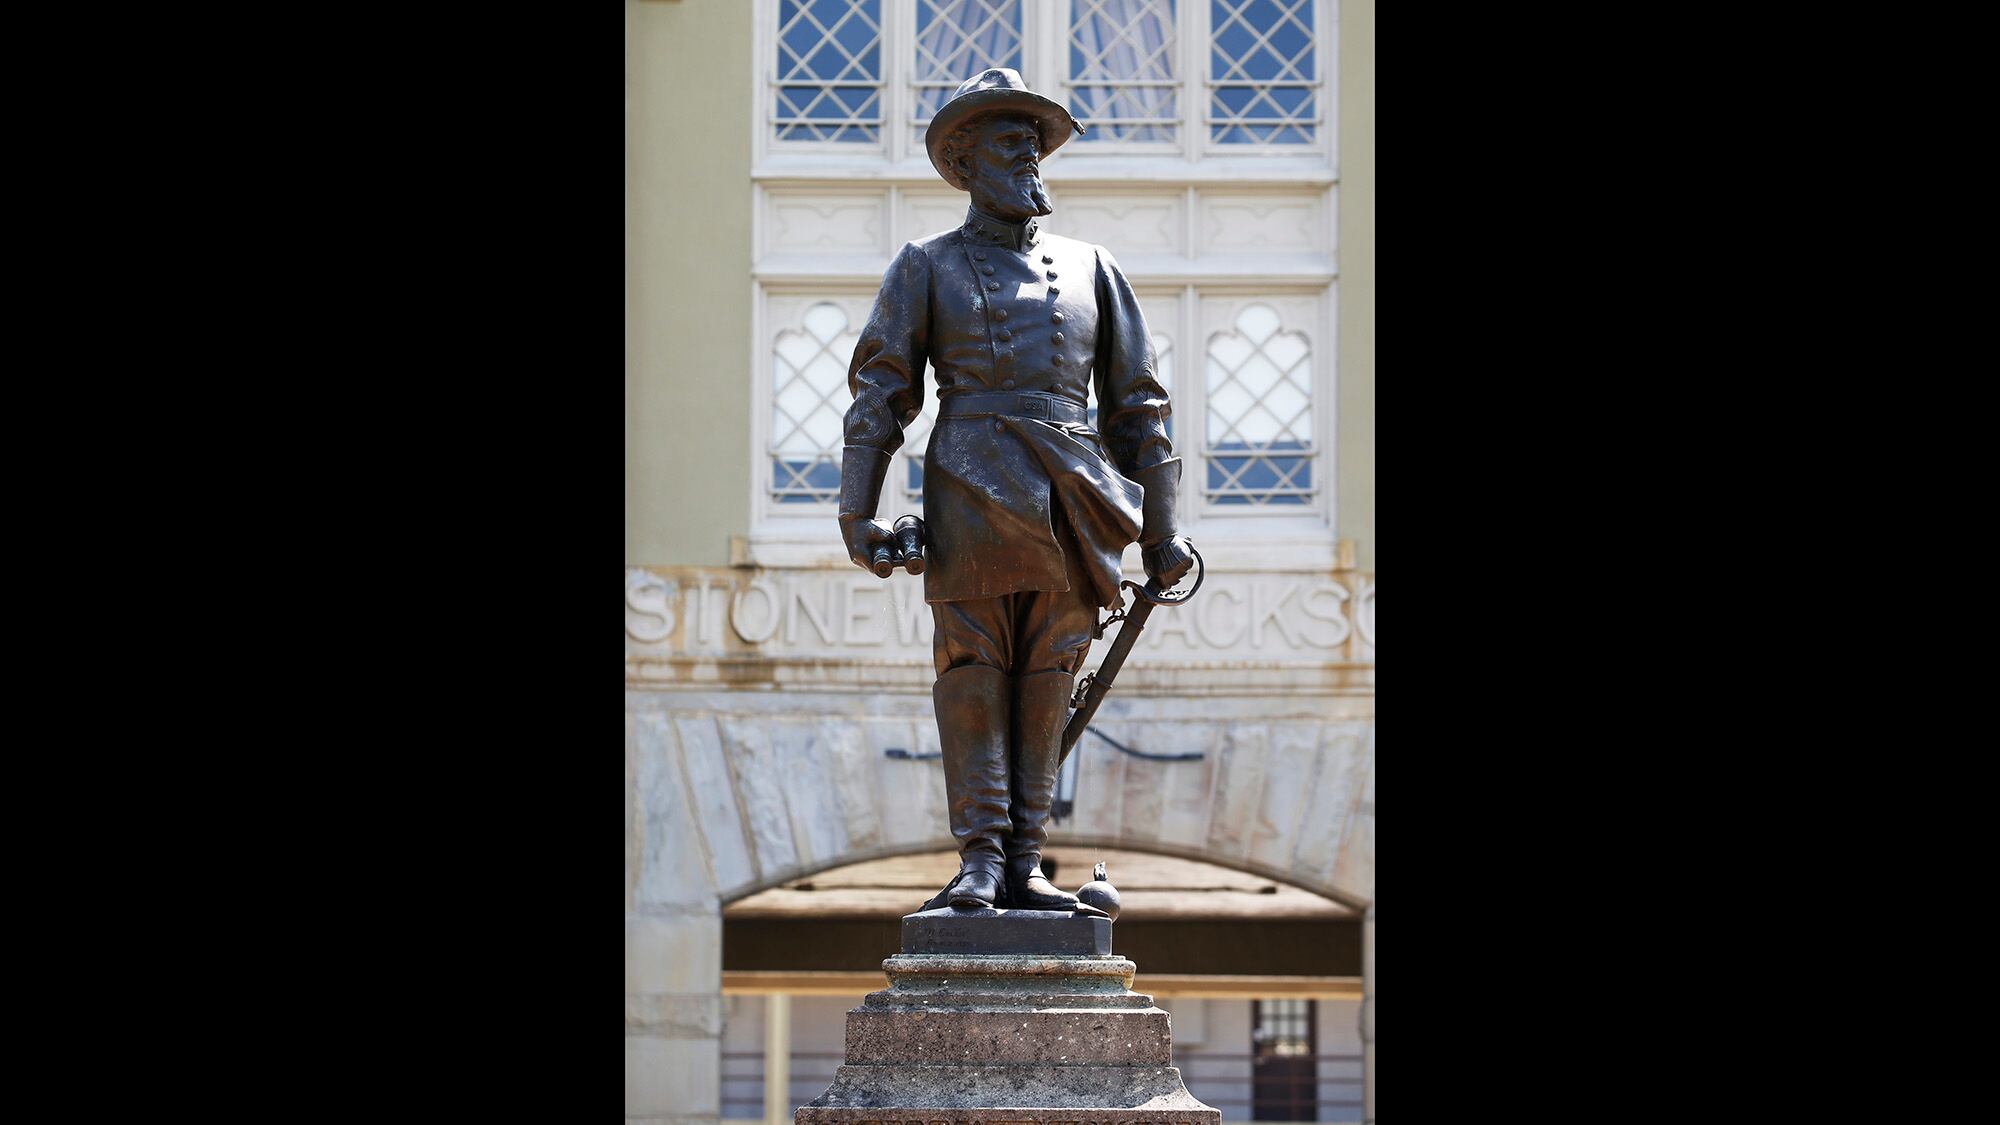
point(729, 793)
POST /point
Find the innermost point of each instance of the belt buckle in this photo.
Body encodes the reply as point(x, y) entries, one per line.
point(1040, 408)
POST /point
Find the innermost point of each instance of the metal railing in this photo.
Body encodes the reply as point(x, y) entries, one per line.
point(1226, 1080)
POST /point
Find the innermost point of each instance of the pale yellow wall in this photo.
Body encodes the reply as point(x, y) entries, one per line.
point(687, 279)
point(1355, 500)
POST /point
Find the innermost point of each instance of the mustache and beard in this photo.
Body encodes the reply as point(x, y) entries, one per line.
point(1033, 193)
point(1019, 195)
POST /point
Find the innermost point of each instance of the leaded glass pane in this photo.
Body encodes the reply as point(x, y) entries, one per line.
point(1263, 81)
point(1122, 83)
point(809, 402)
point(1259, 383)
point(957, 39)
point(829, 71)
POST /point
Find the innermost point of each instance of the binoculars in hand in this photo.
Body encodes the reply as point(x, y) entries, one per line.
point(908, 551)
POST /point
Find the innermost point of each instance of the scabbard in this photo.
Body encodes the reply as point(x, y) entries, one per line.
point(1101, 680)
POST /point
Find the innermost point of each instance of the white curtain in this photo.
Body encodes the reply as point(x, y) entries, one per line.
point(962, 38)
point(1122, 40)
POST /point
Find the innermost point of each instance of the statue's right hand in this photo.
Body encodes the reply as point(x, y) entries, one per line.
point(864, 537)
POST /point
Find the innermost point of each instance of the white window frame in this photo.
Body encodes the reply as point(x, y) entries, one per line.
point(1259, 520)
point(1326, 70)
point(1056, 50)
point(1045, 65)
point(766, 69)
point(894, 172)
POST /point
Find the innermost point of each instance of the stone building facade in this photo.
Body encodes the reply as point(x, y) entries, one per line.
point(777, 699)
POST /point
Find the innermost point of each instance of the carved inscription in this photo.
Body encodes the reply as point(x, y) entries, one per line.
point(721, 611)
point(952, 938)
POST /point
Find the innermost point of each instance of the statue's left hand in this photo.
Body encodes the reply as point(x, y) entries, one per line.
point(1168, 560)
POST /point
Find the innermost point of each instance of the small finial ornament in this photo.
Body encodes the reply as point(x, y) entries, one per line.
point(1099, 893)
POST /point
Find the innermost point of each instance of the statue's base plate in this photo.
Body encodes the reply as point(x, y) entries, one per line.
point(1004, 933)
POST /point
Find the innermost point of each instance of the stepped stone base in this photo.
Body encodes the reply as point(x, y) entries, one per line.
point(1008, 1040)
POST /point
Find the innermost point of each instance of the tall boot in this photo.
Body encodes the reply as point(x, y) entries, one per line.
point(1041, 708)
point(971, 702)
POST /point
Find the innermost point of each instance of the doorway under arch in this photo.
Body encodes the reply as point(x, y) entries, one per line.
point(1263, 979)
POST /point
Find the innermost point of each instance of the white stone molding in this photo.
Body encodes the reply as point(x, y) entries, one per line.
point(1263, 223)
point(1246, 634)
point(1269, 234)
point(1133, 223)
point(925, 211)
point(1061, 169)
point(831, 222)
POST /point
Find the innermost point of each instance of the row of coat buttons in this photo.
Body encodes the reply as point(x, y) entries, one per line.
point(1001, 314)
point(980, 256)
point(1054, 317)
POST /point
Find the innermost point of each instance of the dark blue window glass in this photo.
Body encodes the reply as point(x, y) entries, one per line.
point(829, 71)
point(1263, 72)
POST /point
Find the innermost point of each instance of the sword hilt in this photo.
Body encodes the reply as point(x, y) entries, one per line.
point(1152, 592)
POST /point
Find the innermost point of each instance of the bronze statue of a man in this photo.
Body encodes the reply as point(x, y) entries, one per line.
point(1027, 510)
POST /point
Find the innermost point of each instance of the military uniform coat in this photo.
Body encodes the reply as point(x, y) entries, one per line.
point(1001, 307)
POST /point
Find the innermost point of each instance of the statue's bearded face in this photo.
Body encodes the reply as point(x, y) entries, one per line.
point(1005, 168)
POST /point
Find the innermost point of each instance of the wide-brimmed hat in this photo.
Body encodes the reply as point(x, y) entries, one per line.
point(997, 89)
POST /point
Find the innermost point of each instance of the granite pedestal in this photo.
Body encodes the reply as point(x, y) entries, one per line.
point(1049, 1033)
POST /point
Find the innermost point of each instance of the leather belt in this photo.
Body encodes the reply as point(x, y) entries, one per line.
point(1012, 404)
